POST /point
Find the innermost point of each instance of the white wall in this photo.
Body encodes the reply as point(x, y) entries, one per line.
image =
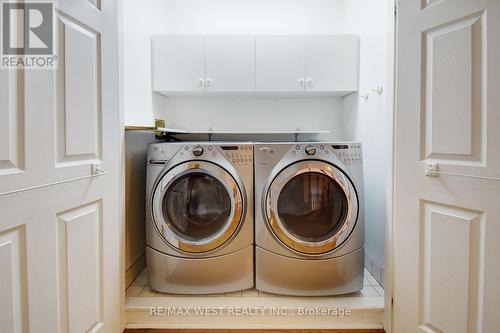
point(140, 21)
point(254, 16)
point(366, 120)
point(225, 17)
point(247, 113)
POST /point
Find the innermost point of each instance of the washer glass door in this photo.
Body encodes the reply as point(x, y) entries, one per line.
point(311, 207)
point(197, 206)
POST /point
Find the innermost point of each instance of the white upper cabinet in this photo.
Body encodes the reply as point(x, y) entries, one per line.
point(332, 63)
point(280, 63)
point(230, 63)
point(178, 63)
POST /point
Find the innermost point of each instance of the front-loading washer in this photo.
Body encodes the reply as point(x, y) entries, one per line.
point(309, 223)
point(199, 228)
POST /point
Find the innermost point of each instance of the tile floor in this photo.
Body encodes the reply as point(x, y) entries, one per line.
point(140, 288)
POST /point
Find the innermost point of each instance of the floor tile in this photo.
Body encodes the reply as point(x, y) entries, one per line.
point(233, 294)
point(371, 279)
point(356, 294)
point(264, 294)
point(141, 288)
point(133, 291)
point(141, 280)
point(147, 292)
point(379, 290)
point(369, 291)
point(160, 294)
point(250, 293)
point(215, 295)
point(366, 282)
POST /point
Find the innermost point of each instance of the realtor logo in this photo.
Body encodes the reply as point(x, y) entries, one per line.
point(28, 35)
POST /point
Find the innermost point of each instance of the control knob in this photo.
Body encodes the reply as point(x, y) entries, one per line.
point(197, 151)
point(310, 150)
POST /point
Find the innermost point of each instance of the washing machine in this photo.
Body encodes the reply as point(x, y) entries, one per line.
point(309, 225)
point(199, 228)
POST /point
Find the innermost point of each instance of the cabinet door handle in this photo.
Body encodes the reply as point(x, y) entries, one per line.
point(209, 82)
point(301, 82)
point(200, 82)
point(309, 82)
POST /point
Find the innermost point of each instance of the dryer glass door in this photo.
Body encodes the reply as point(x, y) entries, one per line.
point(312, 207)
point(197, 206)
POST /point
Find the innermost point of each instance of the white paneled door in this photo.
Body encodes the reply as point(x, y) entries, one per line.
point(447, 223)
point(59, 228)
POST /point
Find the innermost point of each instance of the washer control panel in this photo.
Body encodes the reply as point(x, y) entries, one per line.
point(241, 155)
point(349, 153)
point(238, 155)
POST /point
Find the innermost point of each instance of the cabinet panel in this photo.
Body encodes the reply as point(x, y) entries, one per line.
point(178, 63)
point(332, 63)
point(230, 63)
point(280, 63)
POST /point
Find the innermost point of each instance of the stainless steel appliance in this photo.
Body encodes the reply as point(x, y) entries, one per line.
point(309, 224)
point(199, 230)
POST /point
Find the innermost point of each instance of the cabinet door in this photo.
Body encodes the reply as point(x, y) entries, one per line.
point(178, 63)
point(332, 63)
point(230, 63)
point(280, 63)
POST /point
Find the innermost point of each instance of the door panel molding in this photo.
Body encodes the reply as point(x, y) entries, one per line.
point(79, 237)
point(79, 109)
point(451, 268)
point(453, 85)
point(13, 313)
point(12, 121)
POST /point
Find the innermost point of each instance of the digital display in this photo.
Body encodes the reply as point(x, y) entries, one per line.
point(340, 146)
point(229, 147)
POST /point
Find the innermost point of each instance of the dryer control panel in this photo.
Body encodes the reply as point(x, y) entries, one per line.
point(239, 154)
point(349, 153)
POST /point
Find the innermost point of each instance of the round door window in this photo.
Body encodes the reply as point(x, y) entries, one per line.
point(196, 206)
point(312, 207)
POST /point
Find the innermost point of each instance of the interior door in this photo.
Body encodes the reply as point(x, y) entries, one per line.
point(280, 63)
point(178, 63)
point(447, 223)
point(59, 215)
point(332, 63)
point(230, 63)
